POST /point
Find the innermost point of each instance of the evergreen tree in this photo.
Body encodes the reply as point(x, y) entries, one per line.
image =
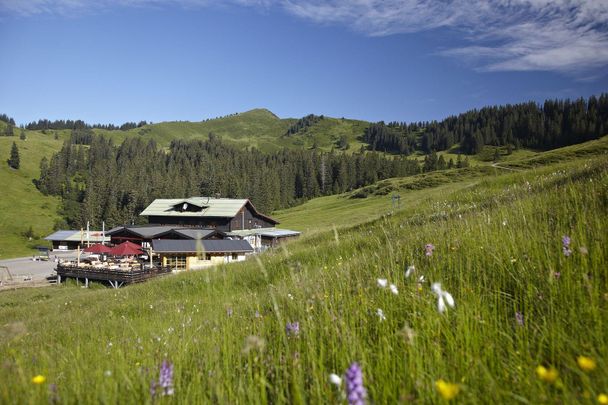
point(13, 161)
point(22, 136)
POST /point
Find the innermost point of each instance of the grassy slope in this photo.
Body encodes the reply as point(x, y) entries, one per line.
point(498, 250)
point(324, 213)
point(21, 204)
point(257, 128)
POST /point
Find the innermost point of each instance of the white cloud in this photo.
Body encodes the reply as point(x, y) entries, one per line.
point(498, 35)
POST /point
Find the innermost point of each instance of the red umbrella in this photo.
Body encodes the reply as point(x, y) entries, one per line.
point(126, 249)
point(97, 248)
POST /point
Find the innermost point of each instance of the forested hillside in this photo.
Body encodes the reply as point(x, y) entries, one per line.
point(103, 182)
point(554, 124)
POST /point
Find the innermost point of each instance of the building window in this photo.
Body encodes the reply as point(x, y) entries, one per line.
point(176, 262)
point(235, 256)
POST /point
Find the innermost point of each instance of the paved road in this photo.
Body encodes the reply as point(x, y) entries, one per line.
point(24, 267)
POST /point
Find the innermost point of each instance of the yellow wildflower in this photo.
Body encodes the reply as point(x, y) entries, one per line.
point(447, 390)
point(39, 379)
point(586, 364)
point(602, 399)
point(547, 374)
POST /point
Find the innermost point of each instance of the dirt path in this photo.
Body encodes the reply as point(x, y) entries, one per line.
point(505, 168)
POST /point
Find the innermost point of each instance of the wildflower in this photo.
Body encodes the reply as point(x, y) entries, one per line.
point(290, 296)
point(292, 328)
point(380, 314)
point(566, 245)
point(410, 270)
point(39, 379)
point(519, 318)
point(447, 390)
point(443, 297)
point(428, 248)
point(229, 312)
point(382, 282)
point(165, 380)
point(421, 279)
point(107, 373)
point(547, 374)
point(335, 379)
point(583, 250)
point(586, 364)
point(394, 289)
point(557, 274)
point(355, 392)
point(602, 399)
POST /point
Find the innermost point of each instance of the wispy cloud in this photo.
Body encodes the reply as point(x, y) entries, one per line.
point(568, 36)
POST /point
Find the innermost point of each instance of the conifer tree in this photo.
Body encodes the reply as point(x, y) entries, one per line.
point(13, 161)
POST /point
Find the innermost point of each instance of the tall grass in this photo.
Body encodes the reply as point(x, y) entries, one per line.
point(498, 251)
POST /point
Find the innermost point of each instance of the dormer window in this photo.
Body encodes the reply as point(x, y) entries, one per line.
point(185, 206)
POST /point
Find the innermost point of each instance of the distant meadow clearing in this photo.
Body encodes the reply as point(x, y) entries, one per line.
point(352, 314)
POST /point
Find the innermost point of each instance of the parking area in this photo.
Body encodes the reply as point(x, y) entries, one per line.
point(25, 270)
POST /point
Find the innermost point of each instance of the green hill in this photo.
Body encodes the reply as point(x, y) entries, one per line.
point(22, 205)
point(528, 303)
point(257, 128)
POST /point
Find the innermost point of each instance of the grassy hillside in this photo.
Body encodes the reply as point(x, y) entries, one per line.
point(527, 305)
point(375, 201)
point(21, 204)
point(257, 128)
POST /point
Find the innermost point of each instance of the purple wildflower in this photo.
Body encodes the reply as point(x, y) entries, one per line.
point(355, 392)
point(229, 312)
point(566, 245)
point(429, 247)
point(292, 328)
point(519, 318)
point(557, 274)
point(165, 380)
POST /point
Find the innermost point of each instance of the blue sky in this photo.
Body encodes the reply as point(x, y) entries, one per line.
point(406, 60)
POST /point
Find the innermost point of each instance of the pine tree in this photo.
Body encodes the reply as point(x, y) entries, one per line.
point(13, 161)
point(22, 136)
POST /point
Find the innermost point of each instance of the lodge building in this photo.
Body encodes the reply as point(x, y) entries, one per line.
point(196, 232)
point(222, 214)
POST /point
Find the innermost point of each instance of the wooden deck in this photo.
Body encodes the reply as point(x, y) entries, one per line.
point(116, 278)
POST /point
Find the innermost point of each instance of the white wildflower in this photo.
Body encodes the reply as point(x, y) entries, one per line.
point(290, 296)
point(380, 314)
point(410, 270)
point(335, 379)
point(394, 290)
point(382, 282)
point(443, 297)
point(421, 279)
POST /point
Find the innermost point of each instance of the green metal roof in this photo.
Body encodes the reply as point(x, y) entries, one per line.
point(212, 207)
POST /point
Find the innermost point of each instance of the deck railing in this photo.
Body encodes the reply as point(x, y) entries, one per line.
point(114, 276)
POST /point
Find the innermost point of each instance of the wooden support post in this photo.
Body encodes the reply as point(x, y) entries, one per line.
point(76, 281)
point(86, 282)
point(58, 279)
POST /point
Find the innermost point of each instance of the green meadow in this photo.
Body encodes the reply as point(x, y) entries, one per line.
point(528, 303)
point(22, 205)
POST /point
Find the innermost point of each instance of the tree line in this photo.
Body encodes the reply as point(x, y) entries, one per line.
point(104, 182)
point(553, 124)
point(45, 124)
